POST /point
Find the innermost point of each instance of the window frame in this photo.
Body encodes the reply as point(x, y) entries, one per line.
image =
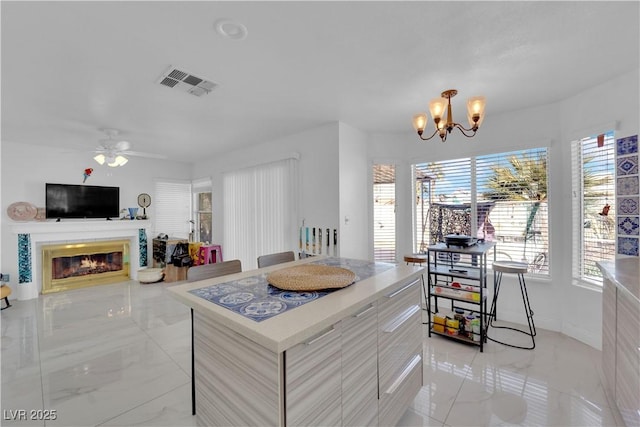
point(578, 205)
point(475, 201)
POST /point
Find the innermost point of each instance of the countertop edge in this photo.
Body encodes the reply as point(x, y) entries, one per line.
point(292, 327)
point(624, 273)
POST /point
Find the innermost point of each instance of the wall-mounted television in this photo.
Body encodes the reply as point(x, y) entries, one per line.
point(82, 201)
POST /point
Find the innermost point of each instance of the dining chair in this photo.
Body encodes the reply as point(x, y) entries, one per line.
point(208, 271)
point(277, 258)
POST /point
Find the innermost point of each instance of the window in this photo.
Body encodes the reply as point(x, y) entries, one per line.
point(499, 197)
point(593, 205)
point(384, 213)
point(512, 206)
point(203, 217)
point(172, 208)
point(260, 211)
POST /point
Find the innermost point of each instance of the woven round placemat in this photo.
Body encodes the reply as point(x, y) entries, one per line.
point(311, 278)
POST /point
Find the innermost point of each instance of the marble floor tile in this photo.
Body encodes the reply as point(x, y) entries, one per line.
point(120, 355)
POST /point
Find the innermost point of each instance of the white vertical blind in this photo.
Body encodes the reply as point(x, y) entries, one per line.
point(384, 213)
point(594, 220)
point(172, 208)
point(260, 211)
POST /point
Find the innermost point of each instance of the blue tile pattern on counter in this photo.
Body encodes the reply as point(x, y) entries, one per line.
point(255, 299)
point(628, 145)
point(628, 225)
point(24, 258)
point(628, 165)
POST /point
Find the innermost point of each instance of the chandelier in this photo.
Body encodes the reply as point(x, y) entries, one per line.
point(437, 106)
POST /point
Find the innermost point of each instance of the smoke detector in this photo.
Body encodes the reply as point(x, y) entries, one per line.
point(185, 81)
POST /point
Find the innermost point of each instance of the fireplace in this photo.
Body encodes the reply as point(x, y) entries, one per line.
point(79, 265)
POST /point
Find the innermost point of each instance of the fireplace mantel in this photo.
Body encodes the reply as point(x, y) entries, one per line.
point(79, 226)
point(71, 231)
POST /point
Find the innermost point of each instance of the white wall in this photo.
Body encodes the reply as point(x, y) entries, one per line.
point(559, 304)
point(354, 193)
point(332, 170)
point(26, 169)
point(318, 168)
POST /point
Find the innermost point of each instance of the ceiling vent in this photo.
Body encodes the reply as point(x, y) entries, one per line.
point(186, 82)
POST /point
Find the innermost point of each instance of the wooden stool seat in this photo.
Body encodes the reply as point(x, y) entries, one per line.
point(5, 291)
point(416, 259)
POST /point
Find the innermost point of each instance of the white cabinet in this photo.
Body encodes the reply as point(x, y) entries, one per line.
point(360, 368)
point(628, 358)
point(609, 336)
point(399, 350)
point(313, 380)
point(621, 337)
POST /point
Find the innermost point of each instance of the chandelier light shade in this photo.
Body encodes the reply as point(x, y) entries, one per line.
point(440, 109)
point(110, 160)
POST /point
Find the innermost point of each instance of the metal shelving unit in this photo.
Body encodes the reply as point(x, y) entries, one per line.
point(466, 267)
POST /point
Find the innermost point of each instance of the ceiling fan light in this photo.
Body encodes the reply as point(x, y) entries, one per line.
point(100, 158)
point(118, 161)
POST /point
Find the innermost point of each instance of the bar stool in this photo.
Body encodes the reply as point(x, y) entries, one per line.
point(518, 268)
point(418, 259)
point(209, 254)
point(5, 291)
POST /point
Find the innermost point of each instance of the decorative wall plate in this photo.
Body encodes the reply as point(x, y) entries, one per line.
point(22, 211)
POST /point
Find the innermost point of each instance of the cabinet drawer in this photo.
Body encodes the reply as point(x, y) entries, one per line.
point(394, 398)
point(359, 368)
point(313, 380)
point(399, 331)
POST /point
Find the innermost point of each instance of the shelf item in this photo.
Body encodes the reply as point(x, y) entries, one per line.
point(459, 275)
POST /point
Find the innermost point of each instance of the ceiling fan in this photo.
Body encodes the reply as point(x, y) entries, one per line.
point(114, 151)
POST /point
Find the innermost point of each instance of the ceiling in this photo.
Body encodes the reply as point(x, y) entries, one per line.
point(70, 69)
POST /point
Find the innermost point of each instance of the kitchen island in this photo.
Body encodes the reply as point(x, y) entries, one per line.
point(262, 356)
point(621, 336)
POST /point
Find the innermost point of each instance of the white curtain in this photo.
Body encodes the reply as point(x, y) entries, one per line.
point(260, 211)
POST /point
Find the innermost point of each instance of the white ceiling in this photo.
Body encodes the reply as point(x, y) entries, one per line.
point(72, 68)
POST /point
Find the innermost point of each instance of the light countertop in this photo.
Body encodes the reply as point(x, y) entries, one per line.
point(624, 272)
point(293, 326)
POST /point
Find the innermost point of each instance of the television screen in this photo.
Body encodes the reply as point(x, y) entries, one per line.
point(82, 201)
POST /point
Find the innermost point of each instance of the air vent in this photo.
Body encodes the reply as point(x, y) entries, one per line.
point(186, 82)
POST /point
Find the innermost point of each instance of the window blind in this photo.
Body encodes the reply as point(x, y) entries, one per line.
point(499, 197)
point(260, 211)
point(443, 201)
point(512, 205)
point(172, 208)
point(384, 213)
point(593, 185)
